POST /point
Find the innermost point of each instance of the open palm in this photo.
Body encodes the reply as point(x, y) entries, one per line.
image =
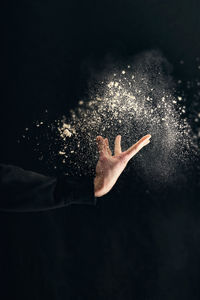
point(109, 167)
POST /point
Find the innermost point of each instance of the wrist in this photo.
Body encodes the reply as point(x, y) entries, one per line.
point(98, 186)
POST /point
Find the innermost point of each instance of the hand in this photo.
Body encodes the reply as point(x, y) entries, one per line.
point(109, 167)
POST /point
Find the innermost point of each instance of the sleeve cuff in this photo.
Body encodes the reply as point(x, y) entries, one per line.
point(84, 192)
point(77, 190)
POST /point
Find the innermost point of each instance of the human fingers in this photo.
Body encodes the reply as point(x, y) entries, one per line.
point(145, 140)
point(107, 147)
point(101, 145)
point(118, 149)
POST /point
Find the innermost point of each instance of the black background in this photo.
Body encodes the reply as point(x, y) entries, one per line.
point(133, 244)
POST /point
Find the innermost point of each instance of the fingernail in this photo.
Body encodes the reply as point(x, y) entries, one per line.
point(148, 137)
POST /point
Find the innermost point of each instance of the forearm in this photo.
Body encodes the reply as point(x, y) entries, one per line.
point(22, 190)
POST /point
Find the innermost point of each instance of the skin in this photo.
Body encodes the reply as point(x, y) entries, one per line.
point(109, 167)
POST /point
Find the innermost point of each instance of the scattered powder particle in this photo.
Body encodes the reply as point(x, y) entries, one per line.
point(110, 85)
point(61, 153)
point(66, 133)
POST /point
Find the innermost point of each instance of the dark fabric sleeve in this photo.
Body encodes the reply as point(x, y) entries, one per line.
point(26, 191)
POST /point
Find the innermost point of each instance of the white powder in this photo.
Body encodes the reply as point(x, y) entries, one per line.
point(132, 101)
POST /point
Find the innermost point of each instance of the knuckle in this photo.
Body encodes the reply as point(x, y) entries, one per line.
point(103, 158)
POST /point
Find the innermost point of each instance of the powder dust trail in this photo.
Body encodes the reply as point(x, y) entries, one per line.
point(131, 99)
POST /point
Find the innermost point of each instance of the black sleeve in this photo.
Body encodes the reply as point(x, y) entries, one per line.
point(25, 191)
